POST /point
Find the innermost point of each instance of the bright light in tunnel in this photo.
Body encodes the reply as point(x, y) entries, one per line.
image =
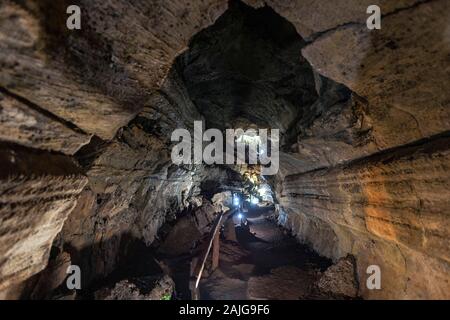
point(254, 200)
point(240, 216)
point(236, 200)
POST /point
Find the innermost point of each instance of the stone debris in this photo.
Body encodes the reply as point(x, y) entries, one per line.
point(146, 288)
point(339, 279)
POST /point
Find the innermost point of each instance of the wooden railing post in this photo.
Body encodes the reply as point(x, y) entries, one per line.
point(216, 251)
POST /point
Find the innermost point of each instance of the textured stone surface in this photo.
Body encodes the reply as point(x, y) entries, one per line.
point(390, 210)
point(283, 283)
point(223, 201)
point(313, 17)
point(246, 71)
point(188, 230)
point(52, 277)
point(38, 190)
point(401, 71)
point(340, 131)
point(399, 89)
point(133, 189)
point(139, 289)
point(99, 77)
point(339, 279)
point(20, 123)
point(363, 92)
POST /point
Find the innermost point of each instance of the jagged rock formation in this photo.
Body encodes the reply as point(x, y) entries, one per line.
point(139, 289)
point(86, 118)
point(38, 190)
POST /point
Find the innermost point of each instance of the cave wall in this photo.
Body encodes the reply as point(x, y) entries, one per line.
point(246, 71)
point(99, 78)
point(390, 210)
point(63, 91)
point(379, 92)
point(37, 192)
point(74, 93)
point(369, 175)
point(131, 190)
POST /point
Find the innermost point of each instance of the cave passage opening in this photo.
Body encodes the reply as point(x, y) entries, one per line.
point(246, 71)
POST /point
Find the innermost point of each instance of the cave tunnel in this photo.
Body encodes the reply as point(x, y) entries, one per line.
point(353, 123)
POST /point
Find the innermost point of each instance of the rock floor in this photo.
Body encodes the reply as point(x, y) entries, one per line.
point(264, 263)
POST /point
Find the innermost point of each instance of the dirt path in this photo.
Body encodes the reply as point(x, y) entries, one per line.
point(264, 263)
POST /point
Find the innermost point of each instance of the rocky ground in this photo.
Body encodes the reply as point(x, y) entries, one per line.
point(267, 263)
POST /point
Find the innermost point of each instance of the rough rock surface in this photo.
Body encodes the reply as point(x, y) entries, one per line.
point(222, 201)
point(364, 168)
point(246, 70)
point(283, 283)
point(133, 189)
point(99, 77)
point(21, 123)
point(385, 211)
point(139, 289)
point(339, 279)
point(396, 70)
point(52, 276)
point(315, 17)
point(38, 190)
point(188, 230)
point(221, 287)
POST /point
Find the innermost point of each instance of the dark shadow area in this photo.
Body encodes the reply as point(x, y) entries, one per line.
point(247, 70)
point(133, 261)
